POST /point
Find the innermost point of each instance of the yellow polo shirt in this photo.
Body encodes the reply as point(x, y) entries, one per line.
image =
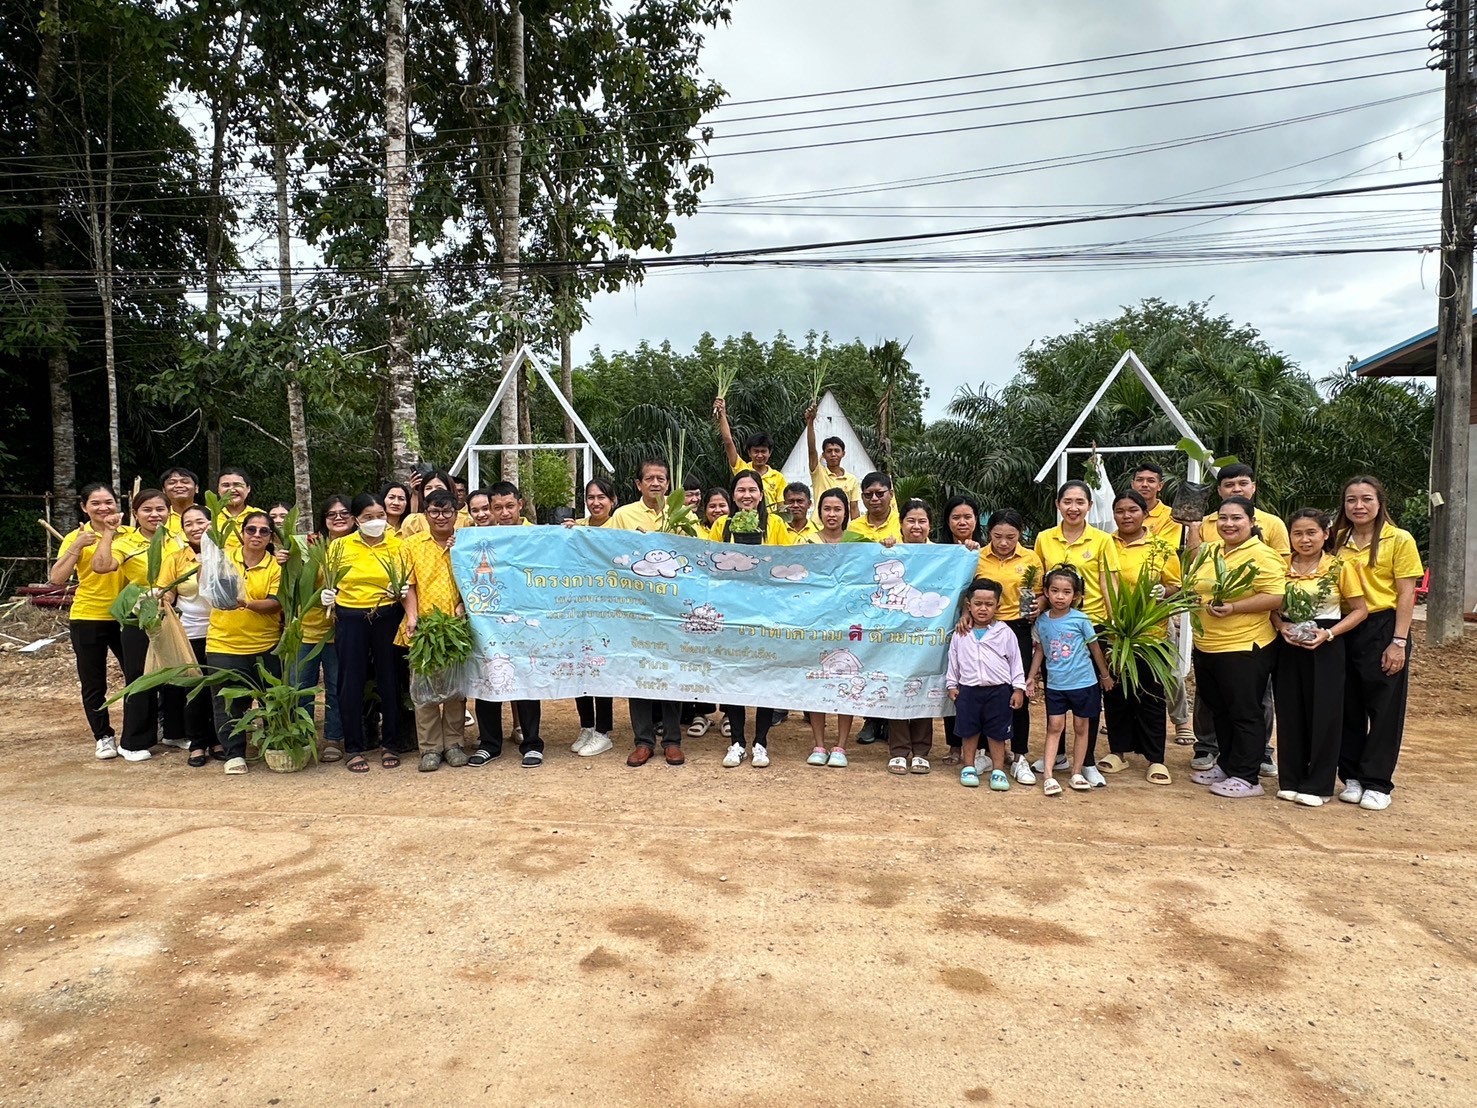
point(822, 479)
point(95, 591)
point(1398, 559)
point(131, 552)
point(240, 630)
point(1274, 531)
point(774, 535)
point(796, 538)
point(1009, 574)
point(178, 562)
point(1092, 554)
point(366, 583)
point(233, 540)
point(416, 524)
point(636, 516)
point(1222, 635)
point(772, 479)
point(1159, 522)
point(429, 564)
point(1134, 556)
point(1346, 584)
point(864, 528)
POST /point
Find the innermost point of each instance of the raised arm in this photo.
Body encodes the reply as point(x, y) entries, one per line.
point(810, 448)
point(720, 409)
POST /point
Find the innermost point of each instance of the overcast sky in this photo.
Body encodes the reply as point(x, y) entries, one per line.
point(968, 325)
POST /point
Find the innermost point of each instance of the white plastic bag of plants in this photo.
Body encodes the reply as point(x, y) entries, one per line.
point(221, 583)
point(1303, 632)
point(438, 686)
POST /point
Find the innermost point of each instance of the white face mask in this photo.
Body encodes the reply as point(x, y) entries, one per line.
point(373, 528)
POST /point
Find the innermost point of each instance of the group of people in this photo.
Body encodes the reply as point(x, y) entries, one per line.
point(1334, 685)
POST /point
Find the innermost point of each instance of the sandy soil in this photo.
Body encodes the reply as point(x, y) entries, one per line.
point(589, 934)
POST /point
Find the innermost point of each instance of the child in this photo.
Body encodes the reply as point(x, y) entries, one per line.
point(1067, 644)
point(986, 682)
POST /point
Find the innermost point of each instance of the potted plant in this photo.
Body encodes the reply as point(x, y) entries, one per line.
point(1136, 628)
point(1191, 497)
point(1028, 590)
point(743, 527)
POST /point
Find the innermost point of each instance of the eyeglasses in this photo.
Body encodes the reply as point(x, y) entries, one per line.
point(339, 515)
point(440, 511)
point(875, 494)
point(256, 530)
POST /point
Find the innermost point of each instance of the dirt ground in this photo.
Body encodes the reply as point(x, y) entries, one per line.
point(586, 933)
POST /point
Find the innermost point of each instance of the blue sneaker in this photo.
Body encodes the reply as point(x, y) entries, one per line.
point(999, 782)
point(837, 760)
point(969, 777)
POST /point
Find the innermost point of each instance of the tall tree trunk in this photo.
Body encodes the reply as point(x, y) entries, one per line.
point(566, 386)
point(509, 276)
point(53, 307)
point(405, 437)
point(296, 419)
point(100, 242)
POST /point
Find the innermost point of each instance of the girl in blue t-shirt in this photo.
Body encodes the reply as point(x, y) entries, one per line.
point(1076, 673)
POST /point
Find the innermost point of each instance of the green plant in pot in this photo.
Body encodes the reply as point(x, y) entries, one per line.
point(1135, 631)
point(743, 527)
point(1191, 498)
point(279, 723)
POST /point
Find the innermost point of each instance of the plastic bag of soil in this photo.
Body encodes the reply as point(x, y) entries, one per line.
point(437, 686)
point(1189, 504)
point(221, 583)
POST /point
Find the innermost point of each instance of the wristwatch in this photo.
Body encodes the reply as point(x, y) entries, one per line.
point(1397, 642)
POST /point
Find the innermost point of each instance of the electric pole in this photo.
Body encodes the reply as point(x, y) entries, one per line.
point(1450, 439)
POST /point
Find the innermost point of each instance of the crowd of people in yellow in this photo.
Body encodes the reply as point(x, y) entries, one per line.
point(1329, 673)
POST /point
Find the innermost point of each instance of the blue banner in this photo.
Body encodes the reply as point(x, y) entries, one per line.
point(852, 628)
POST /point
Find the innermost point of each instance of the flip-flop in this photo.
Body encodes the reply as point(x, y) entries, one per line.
point(389, 760)
point(1113, 763)
point(1158, 774)
point(357, 763)
point(218, 753)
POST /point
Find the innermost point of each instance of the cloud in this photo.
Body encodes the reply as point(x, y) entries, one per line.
point(734, 562)
point(660, 563)
point(622, 559)
point(789, 573)
point(926, 605)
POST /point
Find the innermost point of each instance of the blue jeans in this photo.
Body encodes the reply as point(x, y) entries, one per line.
point(307, 673)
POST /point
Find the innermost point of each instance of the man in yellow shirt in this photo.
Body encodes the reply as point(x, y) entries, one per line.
point(880, 521)
point(647, 513)
point(797, 503)
point(181, 488)
point(826, 471)
point(1148, 482)
point(758, 448)
point(439, 726)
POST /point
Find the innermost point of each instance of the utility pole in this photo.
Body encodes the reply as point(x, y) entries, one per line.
point(1451, 438)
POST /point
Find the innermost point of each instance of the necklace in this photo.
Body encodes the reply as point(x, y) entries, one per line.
point(1306, 570)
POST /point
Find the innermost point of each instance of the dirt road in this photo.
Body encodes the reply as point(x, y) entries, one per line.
point(585, 933)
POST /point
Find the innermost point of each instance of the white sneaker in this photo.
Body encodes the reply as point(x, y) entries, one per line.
point(107, 747)
point(178, 744)
point(1287, 794)
point(734, 756)
point(760, 757)
point(1374, 800)
point(1308, 800)
point(134, 755)
point(1353, 791)
point(1062, 763)
point(983, 764)
point(598, 743)
point(1094, 777)
point(586, 733)
point(1021, 771)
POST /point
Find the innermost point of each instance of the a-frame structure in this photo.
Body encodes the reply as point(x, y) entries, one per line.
point(471, 453)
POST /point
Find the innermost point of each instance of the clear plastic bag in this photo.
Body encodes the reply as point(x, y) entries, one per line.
point(1303, 632)
point(221, 584)
point(438, 686)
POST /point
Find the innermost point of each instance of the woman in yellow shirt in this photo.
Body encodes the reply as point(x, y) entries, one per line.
point(368, 614)
point(396, 499)
point(1233, 655)
point(127, 549)
point(833, 512)
point(1309, 673)
point(1006, 562)
point(335, 520)
point(747, 495)
point(1089, 553)
point(92, 630)
point(243, 640)
point(909, 741)
point(186, 718)
point(1136, 723)
point(716, 506)
point(1378, 655)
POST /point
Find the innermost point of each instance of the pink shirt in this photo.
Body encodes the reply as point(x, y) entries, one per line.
point(992, 660)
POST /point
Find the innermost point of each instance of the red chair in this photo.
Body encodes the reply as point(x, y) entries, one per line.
point(1424, 588)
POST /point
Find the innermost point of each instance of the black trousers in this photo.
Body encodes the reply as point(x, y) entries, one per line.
point(595, 711)
point(365, 640)
point(186, 718)
point(1232, 685)
point(690, 711)
point(489, 713)
point(92, 639)
point(1310, 714)
point(737, 716)
point(1136, 724)
point(141, 710)
point(227, 715)
point(645, 713)
point(1374, 706)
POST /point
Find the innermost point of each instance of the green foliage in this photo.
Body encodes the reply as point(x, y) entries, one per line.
point(1300, 605)
point(545, 480)
point(441, 641)
point(745, 522)
point(1135, 629)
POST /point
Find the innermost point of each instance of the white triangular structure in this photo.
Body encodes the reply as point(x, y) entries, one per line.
point(470, 456)
point(830, 421)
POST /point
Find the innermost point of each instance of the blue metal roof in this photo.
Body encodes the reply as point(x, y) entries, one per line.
point(1403, 359)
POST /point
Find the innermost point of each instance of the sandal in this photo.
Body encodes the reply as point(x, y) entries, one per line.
point(1158, 774)
point(1079, 783)
point(969, 777)
point(218, 753)
point(1051, 788)
point(1113, 763)
point(333, 751)
point(389, 760)
point(953, 757)
point(699, 727)
point(198, 758)
point(1184, 735)
point(357, 763)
